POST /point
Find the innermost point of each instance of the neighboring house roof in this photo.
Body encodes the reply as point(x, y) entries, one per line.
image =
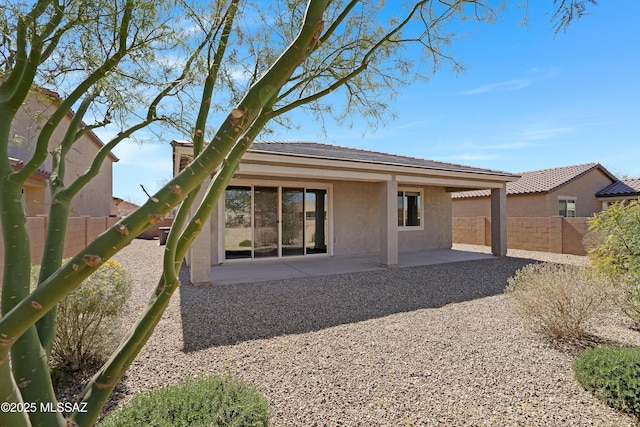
point(541, 181)
point(335, 152)
point(18, 164)
point(624, 188)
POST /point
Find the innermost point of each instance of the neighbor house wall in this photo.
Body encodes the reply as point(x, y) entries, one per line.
point(584, 190)
point(95, 198)
point(527, 205)
point(34, 197)
point(471, 207)
point(517, 206)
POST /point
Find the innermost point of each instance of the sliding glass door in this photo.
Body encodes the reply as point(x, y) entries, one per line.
point(265, 222)
point(238, 234)
point(316, 221)
point(262, 222)
point(292, 221)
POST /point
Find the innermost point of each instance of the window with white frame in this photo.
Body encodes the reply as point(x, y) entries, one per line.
point(409, 208)
point(567, 207)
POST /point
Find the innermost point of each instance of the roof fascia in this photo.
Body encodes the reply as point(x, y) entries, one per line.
point(301, 160)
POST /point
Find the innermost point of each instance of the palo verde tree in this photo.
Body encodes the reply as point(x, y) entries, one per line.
point(144, 64)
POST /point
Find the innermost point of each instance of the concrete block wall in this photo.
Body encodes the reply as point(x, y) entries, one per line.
point(76, 236)
point(528, 233)
point(469, 230)
point(544, 234)
point(80, 232)
point(573, 232)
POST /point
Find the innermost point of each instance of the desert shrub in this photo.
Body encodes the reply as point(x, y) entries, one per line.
point(207, 401)
point(89, 318)
point(613, 246)
point(558, 299)
point(613, 374)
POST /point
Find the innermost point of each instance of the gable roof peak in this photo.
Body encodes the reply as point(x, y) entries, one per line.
point(544, 180)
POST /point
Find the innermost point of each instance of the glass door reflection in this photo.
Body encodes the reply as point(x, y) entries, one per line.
point(316, 221)
point(292, 221)
point(265, 222)
point(237, 222)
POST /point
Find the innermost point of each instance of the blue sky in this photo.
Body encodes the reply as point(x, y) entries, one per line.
point(528, 100)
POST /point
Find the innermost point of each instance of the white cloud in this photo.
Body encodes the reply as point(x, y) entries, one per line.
point(506, 86)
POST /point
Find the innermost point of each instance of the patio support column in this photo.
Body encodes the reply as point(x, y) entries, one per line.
point(389, 223)
point(499, 221)
point(199, 255)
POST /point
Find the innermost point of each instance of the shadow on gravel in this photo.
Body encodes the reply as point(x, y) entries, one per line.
point(227, 314)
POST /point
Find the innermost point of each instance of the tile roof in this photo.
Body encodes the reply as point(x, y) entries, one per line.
point(336, 152)
point(541, 181)
point(626, 187)
point(18, 164)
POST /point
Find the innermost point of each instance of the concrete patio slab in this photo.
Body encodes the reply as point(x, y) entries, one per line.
point(287, 268)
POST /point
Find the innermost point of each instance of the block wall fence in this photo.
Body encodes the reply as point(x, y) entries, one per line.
point(80, 232)
point(545, 234)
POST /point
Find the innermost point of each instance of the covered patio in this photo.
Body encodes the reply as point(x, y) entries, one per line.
point(288, 268)
point(340, 209)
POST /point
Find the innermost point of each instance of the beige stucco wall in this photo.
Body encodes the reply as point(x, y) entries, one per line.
point(436, 220)
point(471, 207)
point(355, 207)
point(517, 206)
point(583, 189)
point(356, 218)
point(529, 205)
point(95, 198)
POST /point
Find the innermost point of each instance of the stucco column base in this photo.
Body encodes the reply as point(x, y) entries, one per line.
point(389, 223)
point(199, 255)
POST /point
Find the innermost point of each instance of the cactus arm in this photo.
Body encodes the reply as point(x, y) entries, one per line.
point(83, 87)
point(58, 220)
point(100, 387)
point(29, 363)
point(170, 266)
point(10, 393)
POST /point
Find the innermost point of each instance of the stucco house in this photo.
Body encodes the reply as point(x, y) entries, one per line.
point(626, 189)
point(569, 191)
point(95, 198)
point(121, 208)
point(307, 199)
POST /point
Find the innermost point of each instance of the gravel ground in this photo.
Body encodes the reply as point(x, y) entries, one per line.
point(421, 346)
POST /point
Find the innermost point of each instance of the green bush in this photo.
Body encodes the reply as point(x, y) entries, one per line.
point(89, 319)
point(614, 248)
point(613, 374)
point(207, 401)
point(558, 299)
point(245, 244)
